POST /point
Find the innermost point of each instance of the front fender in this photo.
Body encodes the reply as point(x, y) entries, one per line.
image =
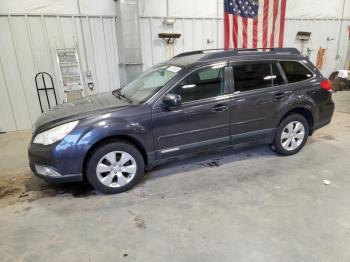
point(75, 146)
point(98, 129)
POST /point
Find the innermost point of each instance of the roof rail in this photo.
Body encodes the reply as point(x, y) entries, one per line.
point(190, 53)
point(290, 50)
point(233, 51)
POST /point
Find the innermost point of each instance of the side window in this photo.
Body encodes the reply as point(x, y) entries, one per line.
point(204, 83)
point(277, 78)
point(251, 76)
point(208, 74)
point(295, 71)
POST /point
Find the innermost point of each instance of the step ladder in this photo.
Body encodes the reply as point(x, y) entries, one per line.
point(70, 73)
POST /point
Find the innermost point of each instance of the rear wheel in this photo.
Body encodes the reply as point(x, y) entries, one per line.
point(291, 135)
point(115, 167)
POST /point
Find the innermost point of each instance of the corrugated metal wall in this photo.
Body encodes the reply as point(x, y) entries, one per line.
point(27, 46)
point(28, 43)
point(196, 32)
point(321, 30)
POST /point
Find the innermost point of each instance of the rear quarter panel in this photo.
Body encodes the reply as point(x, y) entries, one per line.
point(309, 95)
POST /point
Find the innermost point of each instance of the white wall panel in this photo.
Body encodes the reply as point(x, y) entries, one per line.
point(181, 8)
point(28, 45)
point(343, 44)
point(306, 9)
point(196, 33)
point(100, 7)
point(24, 54)
point(320, 29)
point(12, 75)
point(152, 7)
point(67, 7)
point(317, 9)
point(146, 42)
point(100, 54)
point(7, 117)
point(111, 47)
point(194, 8)
point(220, 33)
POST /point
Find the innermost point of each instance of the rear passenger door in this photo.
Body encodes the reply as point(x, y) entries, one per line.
point(257, 93)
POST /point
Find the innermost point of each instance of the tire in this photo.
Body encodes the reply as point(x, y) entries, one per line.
point(288, 138)
point(114, 167)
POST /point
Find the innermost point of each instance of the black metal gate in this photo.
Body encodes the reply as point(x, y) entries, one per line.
point(45, 89)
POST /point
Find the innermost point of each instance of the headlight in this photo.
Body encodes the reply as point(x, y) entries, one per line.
point(55, 134)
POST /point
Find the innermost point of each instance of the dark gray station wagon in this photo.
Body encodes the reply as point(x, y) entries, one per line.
point(196, 101)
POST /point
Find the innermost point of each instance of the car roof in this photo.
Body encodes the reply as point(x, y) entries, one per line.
point(200, 57)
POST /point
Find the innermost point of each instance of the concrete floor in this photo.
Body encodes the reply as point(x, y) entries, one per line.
point(233, 205)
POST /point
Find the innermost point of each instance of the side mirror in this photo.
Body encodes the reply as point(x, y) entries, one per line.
point(171, 100)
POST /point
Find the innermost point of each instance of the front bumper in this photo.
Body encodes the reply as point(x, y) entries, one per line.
point(51, 175)
point(58, 162)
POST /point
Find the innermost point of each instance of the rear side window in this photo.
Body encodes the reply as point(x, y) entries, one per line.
point(252, 76)
point(295, 71)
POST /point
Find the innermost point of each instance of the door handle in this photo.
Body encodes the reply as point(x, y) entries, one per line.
point(219, 108)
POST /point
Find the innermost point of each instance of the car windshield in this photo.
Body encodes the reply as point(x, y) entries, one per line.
point(148, 83)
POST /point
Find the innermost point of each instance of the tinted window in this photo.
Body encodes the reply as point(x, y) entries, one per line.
point(277, 78)
point(295, 71)
point(252, 76)
point(204, 83)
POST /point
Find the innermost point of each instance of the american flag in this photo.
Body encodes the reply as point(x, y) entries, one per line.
point(254, 23)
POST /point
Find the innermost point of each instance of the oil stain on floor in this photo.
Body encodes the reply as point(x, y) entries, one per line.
point(23, 186)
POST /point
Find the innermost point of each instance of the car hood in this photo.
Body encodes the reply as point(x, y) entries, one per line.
point(87, 107)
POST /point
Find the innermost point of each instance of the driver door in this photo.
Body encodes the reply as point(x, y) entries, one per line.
point(201, 121)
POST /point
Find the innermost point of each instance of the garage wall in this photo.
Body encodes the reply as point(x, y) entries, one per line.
point(28, 45)
point(201, 24)
point(321, 29)
point(206, 33)
point(63, 7)
point(196, 33)
point(34, 29)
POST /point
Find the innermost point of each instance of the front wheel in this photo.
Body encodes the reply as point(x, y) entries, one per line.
point(115, 167)
point(291, 135)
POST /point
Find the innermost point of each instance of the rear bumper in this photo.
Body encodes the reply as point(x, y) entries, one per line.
point(325, 114)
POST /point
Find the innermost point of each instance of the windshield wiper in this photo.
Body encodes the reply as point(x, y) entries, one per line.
point(120, 95)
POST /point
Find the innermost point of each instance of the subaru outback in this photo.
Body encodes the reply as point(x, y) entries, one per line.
point(194, 102)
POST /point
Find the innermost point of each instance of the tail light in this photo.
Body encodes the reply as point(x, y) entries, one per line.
point(326, 85)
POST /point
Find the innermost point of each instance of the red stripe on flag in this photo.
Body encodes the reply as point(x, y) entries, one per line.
point(274, 18)
point(235, 31)
point(282, 18)
point(226, 30)
point(265, 22)
point(255, 32)
point(244, 32)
